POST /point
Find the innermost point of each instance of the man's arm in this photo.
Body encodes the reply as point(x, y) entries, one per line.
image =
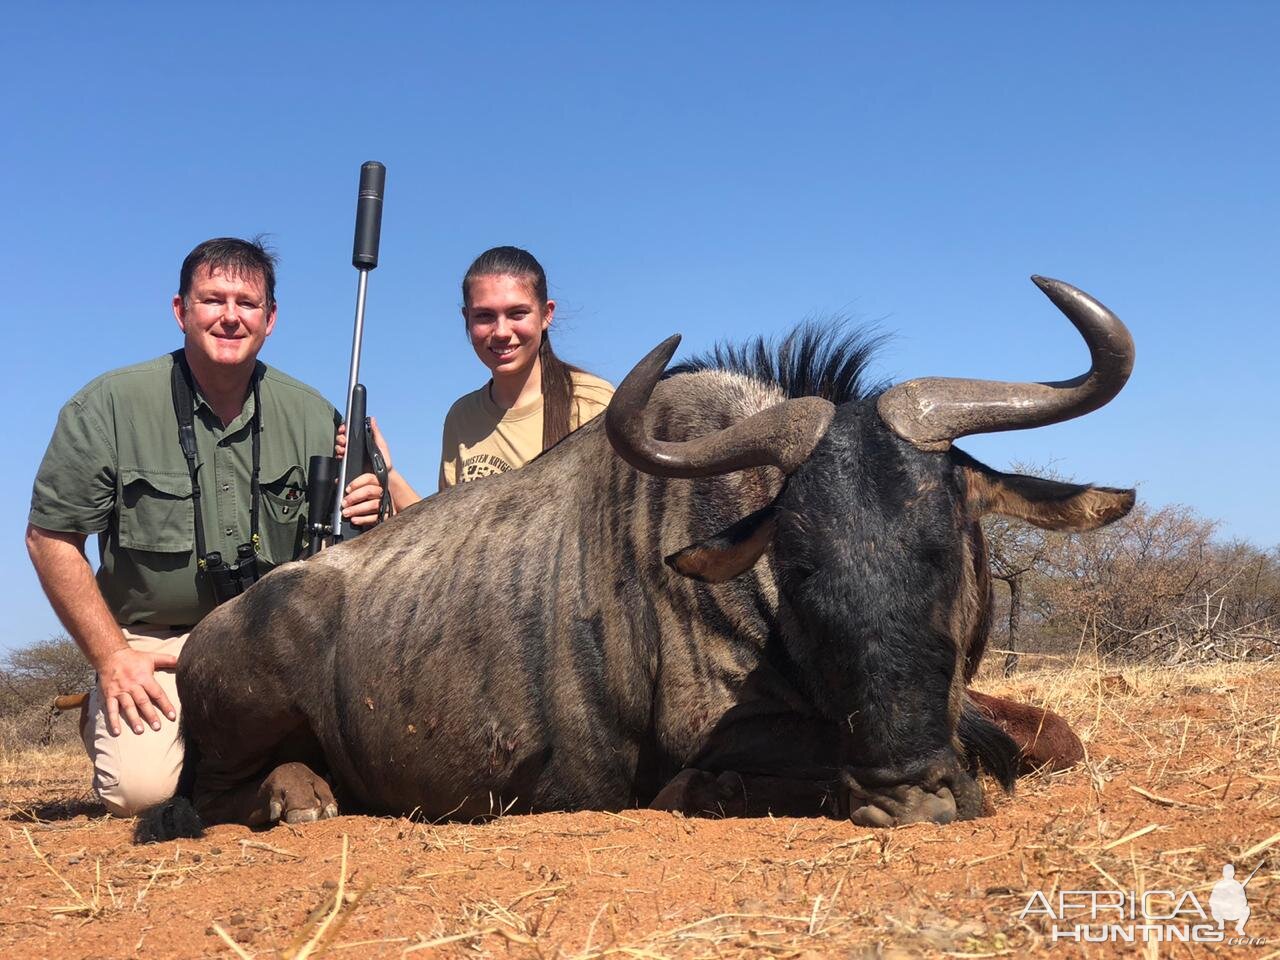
point(127, 677)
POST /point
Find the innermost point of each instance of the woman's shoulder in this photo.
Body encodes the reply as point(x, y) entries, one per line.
point(469, 401)
point(468, 407)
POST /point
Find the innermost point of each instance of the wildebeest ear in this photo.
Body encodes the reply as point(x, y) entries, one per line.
point(732, 551)
point(1050, 504)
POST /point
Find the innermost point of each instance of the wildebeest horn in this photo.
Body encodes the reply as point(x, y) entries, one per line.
point(782, 436)
point(931, 412)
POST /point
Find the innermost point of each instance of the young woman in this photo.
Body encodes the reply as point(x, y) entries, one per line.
point(533, 399)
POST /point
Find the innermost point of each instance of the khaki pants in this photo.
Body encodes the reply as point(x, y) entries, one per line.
point(137, 770)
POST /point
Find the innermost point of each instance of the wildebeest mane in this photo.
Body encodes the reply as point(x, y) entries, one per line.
point(827, 359)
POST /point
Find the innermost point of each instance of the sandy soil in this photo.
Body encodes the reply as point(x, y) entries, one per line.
point(1183, 776)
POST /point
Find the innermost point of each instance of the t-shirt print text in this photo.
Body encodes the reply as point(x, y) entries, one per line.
point(483, 465)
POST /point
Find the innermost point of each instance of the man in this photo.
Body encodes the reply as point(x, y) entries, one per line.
point(174, 530)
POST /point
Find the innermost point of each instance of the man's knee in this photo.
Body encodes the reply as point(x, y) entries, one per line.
point(132, 772)
point(130, 798)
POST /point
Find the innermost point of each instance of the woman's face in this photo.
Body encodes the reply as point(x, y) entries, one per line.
point(506, 323)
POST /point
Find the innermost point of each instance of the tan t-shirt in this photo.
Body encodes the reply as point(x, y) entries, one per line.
point(481, 439)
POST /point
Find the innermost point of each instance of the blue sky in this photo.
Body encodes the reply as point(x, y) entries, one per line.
point(722, 170)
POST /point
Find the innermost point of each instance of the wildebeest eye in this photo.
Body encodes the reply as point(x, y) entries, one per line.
point(798, 572)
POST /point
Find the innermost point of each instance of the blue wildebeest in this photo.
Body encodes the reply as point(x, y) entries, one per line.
point(520, 643)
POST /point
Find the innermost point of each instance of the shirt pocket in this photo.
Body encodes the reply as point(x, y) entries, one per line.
point(283, 518)
point(156, 511)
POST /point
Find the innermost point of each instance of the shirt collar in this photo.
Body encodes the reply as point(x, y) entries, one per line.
point(246, 411)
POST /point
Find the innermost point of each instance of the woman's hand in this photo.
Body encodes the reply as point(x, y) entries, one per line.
point(380, 442)
point(340, 444)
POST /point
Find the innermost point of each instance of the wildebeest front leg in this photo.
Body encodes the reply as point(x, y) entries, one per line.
point(729, 794)
point(267, 774)
point(291, 792)
point(258, 760)
point(762, 757)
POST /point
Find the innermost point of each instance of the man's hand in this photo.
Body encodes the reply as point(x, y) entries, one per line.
point(128, 682)
point(361, 500)
point(126, 676)
point(363, 495)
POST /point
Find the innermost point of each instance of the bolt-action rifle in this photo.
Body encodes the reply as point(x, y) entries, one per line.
point(327, 477)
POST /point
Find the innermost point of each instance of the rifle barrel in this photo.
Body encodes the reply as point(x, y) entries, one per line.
point(355, 431)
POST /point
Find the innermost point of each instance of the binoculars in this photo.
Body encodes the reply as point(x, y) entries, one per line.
point(231, 579)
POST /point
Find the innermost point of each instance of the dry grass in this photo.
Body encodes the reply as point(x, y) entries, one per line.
point(1182, 775)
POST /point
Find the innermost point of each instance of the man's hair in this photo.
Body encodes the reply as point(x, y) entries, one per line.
point(235, 258)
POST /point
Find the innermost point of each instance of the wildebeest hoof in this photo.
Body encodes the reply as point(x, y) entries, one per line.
point(701, 792)
point(293, 793)
point(943, 796)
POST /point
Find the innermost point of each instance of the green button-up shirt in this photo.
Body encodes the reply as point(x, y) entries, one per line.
point(114, 467)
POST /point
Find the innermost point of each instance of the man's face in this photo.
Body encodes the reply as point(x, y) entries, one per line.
point(224, 317)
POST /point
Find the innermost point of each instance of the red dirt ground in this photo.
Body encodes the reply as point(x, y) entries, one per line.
point(1182, 777)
